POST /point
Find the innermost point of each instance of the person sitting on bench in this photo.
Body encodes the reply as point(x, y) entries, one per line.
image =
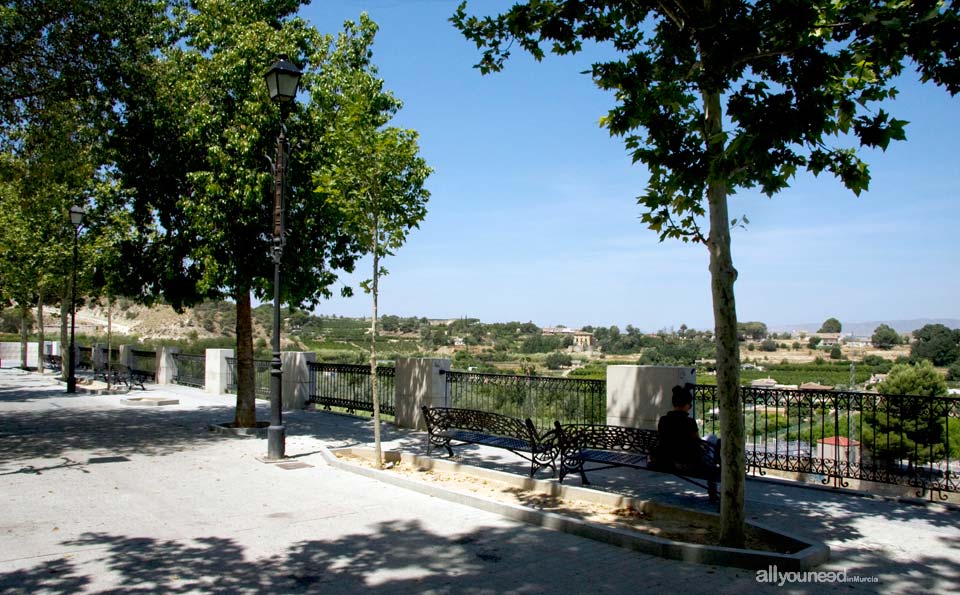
point(681, 450)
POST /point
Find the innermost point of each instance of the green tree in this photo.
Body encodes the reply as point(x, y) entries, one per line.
point(190, 146)
point(556, 360)
point(377, 178)
point(718, 96)
point(68, 51)
point(751, 330)
point(884, 337)
point(936, 343)
point(901, 427)
point(835, 352)
point(918, 379)
point(768, 345)
point(814, 342)
point(830, 325)
point(953, 372)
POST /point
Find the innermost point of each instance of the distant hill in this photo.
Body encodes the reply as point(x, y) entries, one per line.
point(865, 329)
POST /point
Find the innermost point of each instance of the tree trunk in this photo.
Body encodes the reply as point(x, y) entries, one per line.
point(722, 276)
point(109, 336)
point(24, 332)
point(246, 415)
point(65, 354)
point(43, 336)
point(374, 379)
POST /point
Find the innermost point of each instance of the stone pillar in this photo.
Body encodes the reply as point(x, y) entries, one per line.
point(10, 354)
point(97, 359)
point(125, 357)
point(216, 371)
point(638, 395)
point(166, 364)
point(295, 389)
point(419, 382)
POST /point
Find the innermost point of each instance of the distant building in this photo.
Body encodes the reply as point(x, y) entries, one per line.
point(582, 341)
point(814, 386)
point(838, 448)
point(829, 339)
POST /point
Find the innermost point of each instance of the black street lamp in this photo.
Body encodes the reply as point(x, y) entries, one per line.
point(76, 218)
point(282, 81)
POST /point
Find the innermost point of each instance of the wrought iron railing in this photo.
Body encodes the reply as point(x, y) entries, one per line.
point(348, 386)
point(261, 380)
point(839, 436)
point(143, 362)
point(191, 369)
point(541, 398)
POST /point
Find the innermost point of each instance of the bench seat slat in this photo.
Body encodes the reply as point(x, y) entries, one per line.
point(488, 440)
point(613, 458)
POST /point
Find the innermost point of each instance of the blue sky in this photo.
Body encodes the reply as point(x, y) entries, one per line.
point(533, 213)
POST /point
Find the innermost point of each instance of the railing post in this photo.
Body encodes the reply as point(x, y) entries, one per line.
point(296, 378)
point(126, 356)
point(216, 370)
point(418, 382)
point(638, 395)
point(166, 364)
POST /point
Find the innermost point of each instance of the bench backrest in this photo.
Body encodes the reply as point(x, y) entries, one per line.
point(615, 438)
point(485, 422)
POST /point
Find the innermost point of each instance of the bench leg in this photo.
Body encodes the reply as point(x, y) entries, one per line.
point(583, 477)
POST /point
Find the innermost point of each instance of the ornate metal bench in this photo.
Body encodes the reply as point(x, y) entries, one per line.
point(446, 424)
point(617, 446)
point(53, 362)
point(130, 377)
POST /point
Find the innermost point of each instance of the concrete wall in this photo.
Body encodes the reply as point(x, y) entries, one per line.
point(638, 395)
point(295, 385)
point(419, 382)
point(166, 365)
point(215, 371)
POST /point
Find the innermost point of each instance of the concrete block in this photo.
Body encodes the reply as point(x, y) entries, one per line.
point(419, 382)
point(216, 371)
point(295, 385)
point(166, 364)
point(638, 395)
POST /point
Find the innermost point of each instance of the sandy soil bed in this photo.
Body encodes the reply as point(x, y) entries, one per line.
point(690, 530)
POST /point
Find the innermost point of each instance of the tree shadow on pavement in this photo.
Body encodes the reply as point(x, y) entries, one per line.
point(407, 557)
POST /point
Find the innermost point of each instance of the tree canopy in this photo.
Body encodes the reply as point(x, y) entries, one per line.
point(830, 325)
point(884, 337)
point(937, 343)
point(191, 146)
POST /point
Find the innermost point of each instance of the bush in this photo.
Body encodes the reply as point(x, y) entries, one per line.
point(836, 353)
point(953, 372)
point(768, 345)
point(557, 360)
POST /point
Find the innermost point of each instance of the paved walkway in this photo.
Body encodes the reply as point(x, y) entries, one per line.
point(100, 497)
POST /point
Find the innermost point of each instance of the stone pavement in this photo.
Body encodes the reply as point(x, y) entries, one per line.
point(100, 497)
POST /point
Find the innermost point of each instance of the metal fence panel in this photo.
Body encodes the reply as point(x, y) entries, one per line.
point(261, 380)
point(906, 440)
point(541, 398)
point(348, 386)
point(191, 369)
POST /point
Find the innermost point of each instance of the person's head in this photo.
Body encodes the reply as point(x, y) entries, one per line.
point(682, 397)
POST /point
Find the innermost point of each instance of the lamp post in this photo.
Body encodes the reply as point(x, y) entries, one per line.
point(282, 81)
point(76, 218)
